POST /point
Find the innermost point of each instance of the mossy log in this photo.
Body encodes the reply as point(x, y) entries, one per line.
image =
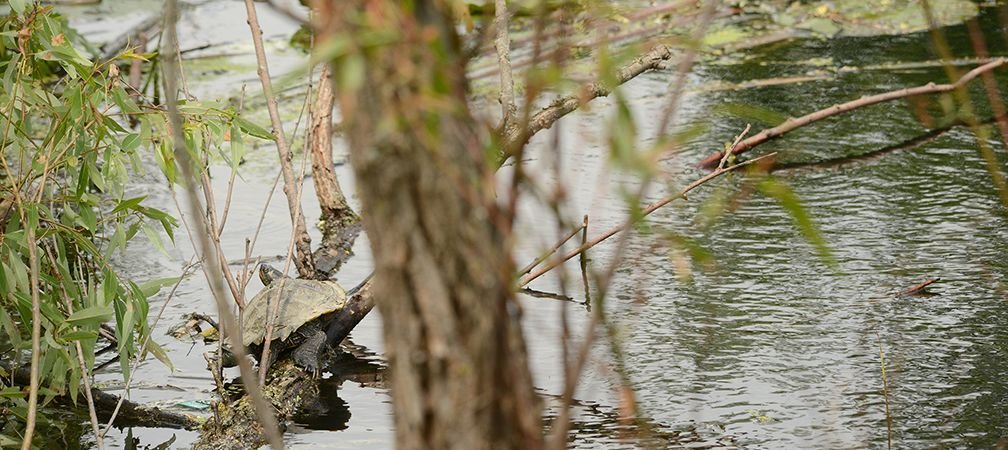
point(234, 425)
point(289, 389)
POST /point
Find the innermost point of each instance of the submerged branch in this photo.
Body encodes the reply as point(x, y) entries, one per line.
point(130, 414)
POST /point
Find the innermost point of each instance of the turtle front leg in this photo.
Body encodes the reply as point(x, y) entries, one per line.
point(308, 355)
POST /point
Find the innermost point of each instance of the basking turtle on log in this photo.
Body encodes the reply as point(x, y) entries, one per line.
point(304, 318)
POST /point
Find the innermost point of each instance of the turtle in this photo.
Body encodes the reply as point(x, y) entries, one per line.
point(307, 307)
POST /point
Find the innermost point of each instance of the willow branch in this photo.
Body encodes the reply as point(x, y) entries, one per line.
point(792, 124)
point(36, 338)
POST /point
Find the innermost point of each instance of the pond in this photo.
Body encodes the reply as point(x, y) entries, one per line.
point(772, 348)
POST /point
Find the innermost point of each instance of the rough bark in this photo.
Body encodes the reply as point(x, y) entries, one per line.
point(340, 225)
point(459, 376)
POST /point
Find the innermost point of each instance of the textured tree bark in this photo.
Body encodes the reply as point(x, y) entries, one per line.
point(444, 274)
point(340, 225)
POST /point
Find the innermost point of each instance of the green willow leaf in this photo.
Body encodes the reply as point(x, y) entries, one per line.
point(159, 352)
point(253, 129)
point(18, 6)
point(792, 204)
point(94, 315)
point(130, 203)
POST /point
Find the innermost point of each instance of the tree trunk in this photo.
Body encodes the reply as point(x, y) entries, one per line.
point(340, 225)
point(444, 273)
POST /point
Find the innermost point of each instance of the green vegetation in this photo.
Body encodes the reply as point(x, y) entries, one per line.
point(68, 153)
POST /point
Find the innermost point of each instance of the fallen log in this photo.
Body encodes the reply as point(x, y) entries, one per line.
point(131, 414)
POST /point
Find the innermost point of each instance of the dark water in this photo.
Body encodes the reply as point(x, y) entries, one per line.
point(773, 348)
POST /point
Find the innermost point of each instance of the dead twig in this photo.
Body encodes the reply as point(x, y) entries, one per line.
point(263, 409)
point(303, 260)
point(919, 288)
point(734, 144)
point(552, 250)
point(565, 105)
point(629, 224)
point(274, 307)
point(792, 124)
point(584, 262)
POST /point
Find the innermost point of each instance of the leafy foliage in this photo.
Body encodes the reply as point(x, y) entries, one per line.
point(68, 152)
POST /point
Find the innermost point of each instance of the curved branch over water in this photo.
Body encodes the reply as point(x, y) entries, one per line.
point(712, 160)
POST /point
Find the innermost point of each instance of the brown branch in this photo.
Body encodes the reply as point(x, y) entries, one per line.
point(584, 262)
point(340, 224)
point(644, 213)
point(565, 105)
point(791, 124)
point(302, 240)
point(277, 300)
point(918, 289)
point(36, 341)
point(552, 249)
point(502, 43)
point(206, 249)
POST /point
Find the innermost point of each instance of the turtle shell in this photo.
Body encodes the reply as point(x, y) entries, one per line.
point(301, 301)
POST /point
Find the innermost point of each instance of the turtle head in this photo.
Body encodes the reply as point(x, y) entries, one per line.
point(267, 274)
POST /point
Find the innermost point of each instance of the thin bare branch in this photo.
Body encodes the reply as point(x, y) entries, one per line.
point(144, 344)
point(502, 43)
point(584, 262)
point(792, 124)
point(734, 144)
point(303, 241)
point(274, 308)
point(644, 213)
point(85, 378)
point(36, 338)
point(551, 250)
point(263, 409)
point(565, 105)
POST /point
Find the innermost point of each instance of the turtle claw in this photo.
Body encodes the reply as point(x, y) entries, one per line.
point(309, 354)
